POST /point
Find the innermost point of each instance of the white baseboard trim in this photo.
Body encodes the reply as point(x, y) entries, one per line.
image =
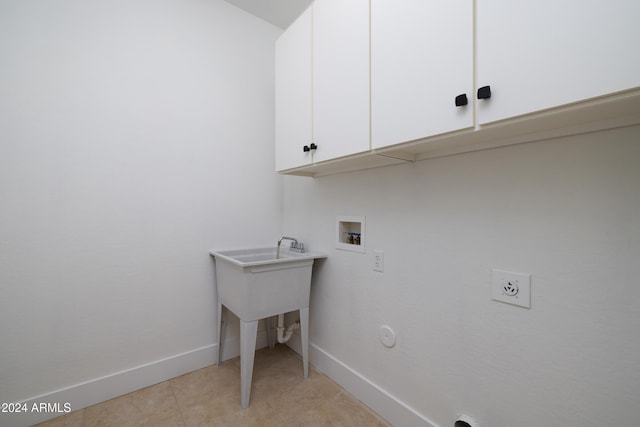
point(107, 387)
point(231, 347)
point(100, 389)
point(383, 403)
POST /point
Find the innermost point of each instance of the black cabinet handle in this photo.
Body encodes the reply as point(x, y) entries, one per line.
point(461, 100)
point(313, 146)
point(306, 149)
point(484, 92)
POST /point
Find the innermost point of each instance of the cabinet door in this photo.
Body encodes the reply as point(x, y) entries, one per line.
point(541, 54)
point(421, 59)
point(293, 94)
point(340, 78)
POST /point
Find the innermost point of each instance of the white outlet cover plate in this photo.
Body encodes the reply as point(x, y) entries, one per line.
point(378, 261)
point(512, 288)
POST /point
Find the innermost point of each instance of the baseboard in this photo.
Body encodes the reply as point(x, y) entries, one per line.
point(100, 389)
point(383, 403)
point(231, 347)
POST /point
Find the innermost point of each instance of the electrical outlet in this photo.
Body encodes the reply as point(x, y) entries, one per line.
point(378, 261)
point(512, 288)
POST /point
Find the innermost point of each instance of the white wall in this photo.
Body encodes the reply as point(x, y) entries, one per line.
point(566, 211)
point(135, 136)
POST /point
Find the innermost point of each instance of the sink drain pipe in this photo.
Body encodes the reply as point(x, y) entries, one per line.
point(285, 334)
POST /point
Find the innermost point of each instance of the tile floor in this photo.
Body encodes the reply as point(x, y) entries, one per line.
point(280, 396)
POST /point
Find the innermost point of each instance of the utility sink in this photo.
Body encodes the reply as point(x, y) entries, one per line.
point(254, 284)
point(259, 283)
point(263, 256)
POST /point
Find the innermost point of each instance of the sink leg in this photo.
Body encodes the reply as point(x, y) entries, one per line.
point(248, 334)
point(304, 329)
point(220, 336)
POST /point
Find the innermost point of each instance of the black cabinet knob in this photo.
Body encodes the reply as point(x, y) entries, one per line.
point(484, 92)
point(461, 100)
point(313, 146)
point(306, 149)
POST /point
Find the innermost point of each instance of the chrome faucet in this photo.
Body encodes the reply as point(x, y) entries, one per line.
point(295, 246)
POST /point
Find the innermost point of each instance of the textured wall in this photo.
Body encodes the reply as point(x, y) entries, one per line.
point(135, 136)
point(566, 211)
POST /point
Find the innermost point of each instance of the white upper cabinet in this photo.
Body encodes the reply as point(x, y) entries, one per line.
point(421, 60)
point(389, 78)
point(536, 55)
point(340, 78)
point(293, 94)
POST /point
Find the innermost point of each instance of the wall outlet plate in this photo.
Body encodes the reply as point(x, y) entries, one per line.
point(378, 261)
point(512, 288)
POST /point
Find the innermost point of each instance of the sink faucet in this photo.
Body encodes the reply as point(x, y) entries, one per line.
point(295, 246)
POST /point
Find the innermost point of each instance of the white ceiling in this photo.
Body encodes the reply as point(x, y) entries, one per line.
point(280, 13)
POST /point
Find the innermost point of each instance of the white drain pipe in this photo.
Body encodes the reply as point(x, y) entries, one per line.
point(285, 334)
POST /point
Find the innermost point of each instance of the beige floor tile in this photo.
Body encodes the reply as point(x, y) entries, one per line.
point(338, 410)
point(73, 419)
point(280, 396)
point(211, 396)
point(151, 406)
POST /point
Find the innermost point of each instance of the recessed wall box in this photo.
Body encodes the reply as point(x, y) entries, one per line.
point(351, 233)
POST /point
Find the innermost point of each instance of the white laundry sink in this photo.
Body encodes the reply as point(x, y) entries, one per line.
point(254, 284)
point(263, 256)
point(258, 283)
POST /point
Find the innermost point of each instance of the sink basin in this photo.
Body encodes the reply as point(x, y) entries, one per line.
point(255, 284)
point(263, 256)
